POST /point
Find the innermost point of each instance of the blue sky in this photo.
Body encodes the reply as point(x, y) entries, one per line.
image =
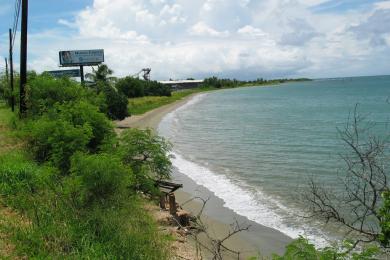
point(199, 38)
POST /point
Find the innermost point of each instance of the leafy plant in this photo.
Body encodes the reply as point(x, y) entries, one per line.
point(98, 178)
point(56, 140)
point(147, 154)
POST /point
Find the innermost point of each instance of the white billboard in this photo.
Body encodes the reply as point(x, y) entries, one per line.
point(81, 57)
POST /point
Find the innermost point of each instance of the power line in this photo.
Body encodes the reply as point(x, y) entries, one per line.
point(16, 20)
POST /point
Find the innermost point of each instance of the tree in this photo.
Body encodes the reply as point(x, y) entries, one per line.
point(101, 75)
point(148, 156)
point(363, 209)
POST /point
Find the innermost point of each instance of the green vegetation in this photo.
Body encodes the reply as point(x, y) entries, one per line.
point(233, 83)
point(302, 249)
point(75, 182)
point(77, 185)
point(140, 103)
point(133, 88)
point(138, 106)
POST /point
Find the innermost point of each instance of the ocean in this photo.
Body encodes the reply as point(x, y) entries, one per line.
point(257, 147)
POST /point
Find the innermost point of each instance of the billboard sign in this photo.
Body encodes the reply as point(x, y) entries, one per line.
point(64, 73)
point(81, 57)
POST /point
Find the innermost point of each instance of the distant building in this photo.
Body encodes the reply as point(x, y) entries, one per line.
point(182, 84)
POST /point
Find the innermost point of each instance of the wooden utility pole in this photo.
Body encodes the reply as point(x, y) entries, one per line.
point(82, 74)
point(11, 66)
point(6, 69)
point(23, 58)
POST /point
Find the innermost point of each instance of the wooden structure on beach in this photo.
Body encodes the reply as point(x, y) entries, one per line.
point(168, 197)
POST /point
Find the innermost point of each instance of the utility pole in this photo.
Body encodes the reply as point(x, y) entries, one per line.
point(82, 74)
point(11, 66)
point(6, 69)
point(23, 58)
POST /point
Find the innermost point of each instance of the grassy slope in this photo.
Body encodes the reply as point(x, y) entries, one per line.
point(19, 238)
point(7, 142)
point(7, 216)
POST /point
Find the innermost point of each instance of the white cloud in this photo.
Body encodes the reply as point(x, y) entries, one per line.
point(202, 29)
point(238, 38)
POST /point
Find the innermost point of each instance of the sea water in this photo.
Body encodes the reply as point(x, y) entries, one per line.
point(257, 147)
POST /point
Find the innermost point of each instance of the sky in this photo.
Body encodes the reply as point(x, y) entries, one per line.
point(178, 39)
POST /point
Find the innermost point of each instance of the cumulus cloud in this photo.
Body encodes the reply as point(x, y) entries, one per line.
point(237, 38)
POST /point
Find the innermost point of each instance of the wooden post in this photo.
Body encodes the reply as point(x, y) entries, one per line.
point(163, 201)
point(172, 204)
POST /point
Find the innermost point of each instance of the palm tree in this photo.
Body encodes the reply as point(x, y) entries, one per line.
point(102, 74)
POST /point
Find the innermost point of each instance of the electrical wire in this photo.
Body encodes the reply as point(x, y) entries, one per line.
point(16, 20)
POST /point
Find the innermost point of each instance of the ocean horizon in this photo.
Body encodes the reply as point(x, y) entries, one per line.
point(257, 147)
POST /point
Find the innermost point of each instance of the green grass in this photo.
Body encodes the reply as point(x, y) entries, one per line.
point(7, 141)
point(139, 106)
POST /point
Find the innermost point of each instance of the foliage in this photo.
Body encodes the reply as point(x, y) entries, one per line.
point(142, 105)
point(116, 103)
point(119, 230)
point(19, 178)
point(98, 178)
point(101, 75)
point(147, 154)
point(220, 83)
point(56, 140)
point(133, 87)
point(83, 113)
point(302, 249)
point(232, 83)
point(44, 91)
point(384, 213)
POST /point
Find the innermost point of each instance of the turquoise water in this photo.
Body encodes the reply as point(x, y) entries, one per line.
point(256, 147)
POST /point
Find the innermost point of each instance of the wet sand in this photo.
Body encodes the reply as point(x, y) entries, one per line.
point(218, 219)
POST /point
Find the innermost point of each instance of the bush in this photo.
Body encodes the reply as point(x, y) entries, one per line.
point(44, 91)
point(56, 140)
point(131, 87)
point(154, 88)
point(98, 178)
point(147, 154)
point(83, 113)
point(116, 103)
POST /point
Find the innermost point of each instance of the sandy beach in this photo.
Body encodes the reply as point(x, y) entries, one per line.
point(257, 240)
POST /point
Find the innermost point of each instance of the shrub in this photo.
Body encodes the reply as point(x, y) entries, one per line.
point(131, 87)
point(44, 91)
point(82, 113)
point(147, 154)
point(56, 140)
point(98, 178)
point(154, 88)
point(116, 103)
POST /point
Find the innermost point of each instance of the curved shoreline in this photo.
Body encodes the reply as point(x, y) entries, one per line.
point(217, 217)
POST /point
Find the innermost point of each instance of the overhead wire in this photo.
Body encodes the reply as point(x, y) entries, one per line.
point(16, 21)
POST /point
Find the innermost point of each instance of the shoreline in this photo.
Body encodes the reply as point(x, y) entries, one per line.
point(217, 217)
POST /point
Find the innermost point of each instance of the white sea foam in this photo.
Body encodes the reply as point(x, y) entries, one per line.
point(256, 206)
point(240, 197)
